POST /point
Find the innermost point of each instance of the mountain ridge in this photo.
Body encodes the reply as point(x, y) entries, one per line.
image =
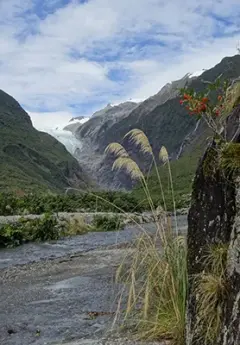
point(30, 159)
point(162, 119)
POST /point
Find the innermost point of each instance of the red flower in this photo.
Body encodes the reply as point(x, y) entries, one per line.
point(181, 101)
point(203, 107)
point(185, 96)
point(217, 112)
point(205, 99)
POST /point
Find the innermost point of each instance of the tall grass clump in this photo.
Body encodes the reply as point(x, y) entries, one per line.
point(156, 283)
point(155, 274)
point(211, 292)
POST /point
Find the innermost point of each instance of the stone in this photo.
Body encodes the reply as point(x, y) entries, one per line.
point(214, 218)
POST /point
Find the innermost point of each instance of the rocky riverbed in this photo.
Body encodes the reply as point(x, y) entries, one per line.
point(64, 292)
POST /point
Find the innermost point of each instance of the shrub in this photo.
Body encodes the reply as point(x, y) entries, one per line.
point(26, 230)
point(42, 229)
point(11, 235)
point(107, 223)
point(100, 201)
point(77, 227)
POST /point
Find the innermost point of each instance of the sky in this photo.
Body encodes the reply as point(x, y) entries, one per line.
point(66, 58)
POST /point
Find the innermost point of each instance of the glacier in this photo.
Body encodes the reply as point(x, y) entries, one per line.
point(71, 143)
point(65, 137)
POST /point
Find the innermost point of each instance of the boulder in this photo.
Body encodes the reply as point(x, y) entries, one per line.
point(214, 219)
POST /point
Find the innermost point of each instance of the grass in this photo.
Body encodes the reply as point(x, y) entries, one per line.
point(230, 157)
point(156, 280)
point(211, 291)
point(77, 227)
point(156, 283)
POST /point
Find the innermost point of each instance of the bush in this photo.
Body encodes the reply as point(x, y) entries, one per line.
point(26, 230)
point(11, 235)
point(77, 227)
point(107, 223)
point(11, 204)
point(43, 229)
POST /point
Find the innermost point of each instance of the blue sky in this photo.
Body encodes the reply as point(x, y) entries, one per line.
point(64, 58)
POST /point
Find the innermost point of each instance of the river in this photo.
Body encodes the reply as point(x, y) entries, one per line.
point(49, 289)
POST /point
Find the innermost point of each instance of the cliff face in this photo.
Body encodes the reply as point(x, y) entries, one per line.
point(214, 219)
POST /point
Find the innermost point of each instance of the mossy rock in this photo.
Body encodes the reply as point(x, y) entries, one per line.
point(230, 157)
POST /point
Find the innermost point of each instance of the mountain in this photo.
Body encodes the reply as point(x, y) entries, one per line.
point(161, 117)
point(30, 159)
point(74, 124)
point(103, 120)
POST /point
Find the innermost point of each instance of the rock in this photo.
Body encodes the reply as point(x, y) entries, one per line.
point(11, 331)
point(214, 218)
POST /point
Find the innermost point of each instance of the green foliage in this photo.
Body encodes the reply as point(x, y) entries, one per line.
point(50, 227)
point(26, 230)
point(107, 223)
point(29, 159)
point(230, 157)
point(109, 201)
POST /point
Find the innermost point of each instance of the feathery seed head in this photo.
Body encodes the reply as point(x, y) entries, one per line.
point(138, 137)
point(129, 165)
point(117, 149)
point(163, 154)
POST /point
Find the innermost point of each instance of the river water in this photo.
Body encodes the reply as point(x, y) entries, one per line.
point(49, 289)
point(33, 252)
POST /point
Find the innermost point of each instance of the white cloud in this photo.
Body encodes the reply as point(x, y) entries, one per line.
point(153, 74)
point(60, 60)
point(48, 121)
point(44, 121)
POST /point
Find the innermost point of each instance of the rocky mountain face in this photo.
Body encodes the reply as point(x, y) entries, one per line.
point(161, 117)
point(30, 159)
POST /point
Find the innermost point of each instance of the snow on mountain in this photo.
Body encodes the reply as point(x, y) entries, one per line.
point(81, 120)
point(196, 74)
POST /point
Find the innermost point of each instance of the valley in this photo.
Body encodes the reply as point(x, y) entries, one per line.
point(161, 118)
point(124, 216)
